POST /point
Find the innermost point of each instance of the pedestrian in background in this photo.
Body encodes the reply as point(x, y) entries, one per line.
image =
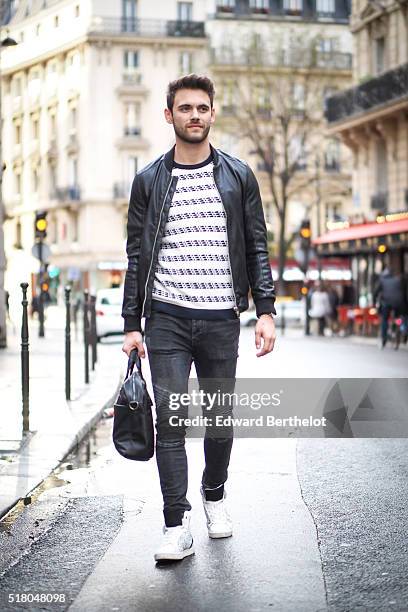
point(391, 291)
point(320, 307)
point(334, 303)
point(197, 243)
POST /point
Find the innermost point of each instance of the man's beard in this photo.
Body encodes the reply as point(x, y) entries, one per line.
point(193, 139)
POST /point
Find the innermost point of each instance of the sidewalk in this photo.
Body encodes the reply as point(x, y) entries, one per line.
point(56, 426)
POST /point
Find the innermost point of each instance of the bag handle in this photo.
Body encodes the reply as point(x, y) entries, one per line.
point(134, 359)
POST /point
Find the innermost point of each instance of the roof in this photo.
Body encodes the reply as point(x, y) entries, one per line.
point(365, 230)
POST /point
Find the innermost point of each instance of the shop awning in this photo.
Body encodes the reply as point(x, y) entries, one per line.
point(365, 230)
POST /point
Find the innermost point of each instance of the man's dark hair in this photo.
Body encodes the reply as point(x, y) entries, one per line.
point(190, 81)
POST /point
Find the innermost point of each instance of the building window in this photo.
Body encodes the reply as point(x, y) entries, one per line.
point(77, 10)
point(18, 244)
point(298, 97)
point(16, 87)
point(17, 133)
point(73, 172)
point(52, 173)
point(35, 129)
point(226, 6)
point(379, 55)
point(262, 100)
point(21, 36)
point(131, 60)
point(332, 156)
point(129, 8)
point(52, 122)
point(228, 98)
point(132, 119)
point(56, 21)
point(333, 211)
point(325, 7)
point(184, 11)
point(293, 7)
point(185, 62)
point(132, 168)
point(74, 226)
point(73, 120)
point(35, 177)
point(38, 30)
point(297, 153)
point(17, 183)
point(381, 167)
point(259, 6)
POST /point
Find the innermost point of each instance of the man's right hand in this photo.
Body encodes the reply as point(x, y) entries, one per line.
point(133, 340)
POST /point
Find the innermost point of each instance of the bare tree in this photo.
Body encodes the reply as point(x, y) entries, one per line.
point(278, 107)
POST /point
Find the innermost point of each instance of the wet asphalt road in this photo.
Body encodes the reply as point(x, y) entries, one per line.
point(319, 525)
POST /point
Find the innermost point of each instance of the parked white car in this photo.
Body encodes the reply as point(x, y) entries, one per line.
point(293, 311)
point(109, 321)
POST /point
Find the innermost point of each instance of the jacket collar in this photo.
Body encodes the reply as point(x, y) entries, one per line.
point(169, 157)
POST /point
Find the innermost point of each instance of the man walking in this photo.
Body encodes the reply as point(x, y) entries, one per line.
point(196, 244)
point(391, 292)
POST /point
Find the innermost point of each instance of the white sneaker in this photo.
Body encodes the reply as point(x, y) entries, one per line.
point(177, 542)
point(219, 522)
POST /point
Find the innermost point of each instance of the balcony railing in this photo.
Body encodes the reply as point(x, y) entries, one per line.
point(379, 201)
point(147, 27)
point(66, 194)
point(305, 12)
point(298, 58)
point(132, 131)
point(390, 86)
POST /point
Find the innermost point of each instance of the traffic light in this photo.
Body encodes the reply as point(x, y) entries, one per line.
point(382, 245)
point(40, 225)
point(305, 235)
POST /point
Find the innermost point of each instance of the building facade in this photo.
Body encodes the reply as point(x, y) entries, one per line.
point(82, 112)
point(372, 120)
point(83, 102)
point(274, 64)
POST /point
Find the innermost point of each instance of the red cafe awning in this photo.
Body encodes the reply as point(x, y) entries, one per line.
point(365, 230)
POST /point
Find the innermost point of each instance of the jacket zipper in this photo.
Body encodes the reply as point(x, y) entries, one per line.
point(154, 244)
point(236, 309)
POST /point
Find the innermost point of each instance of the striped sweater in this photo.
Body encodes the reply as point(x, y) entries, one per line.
point(193, 268)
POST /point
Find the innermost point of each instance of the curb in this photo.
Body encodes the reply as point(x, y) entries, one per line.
point(69, 443)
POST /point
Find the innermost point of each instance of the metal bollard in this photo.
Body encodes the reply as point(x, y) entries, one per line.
point(86, 335)
point(307, 315)
point(93, 331)
point(68, 343)
point(283, 324)
point(25, 366)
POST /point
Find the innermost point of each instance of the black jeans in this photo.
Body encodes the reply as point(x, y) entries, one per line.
point(173, 343)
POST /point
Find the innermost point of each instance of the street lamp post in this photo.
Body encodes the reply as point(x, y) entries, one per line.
point(7, 42)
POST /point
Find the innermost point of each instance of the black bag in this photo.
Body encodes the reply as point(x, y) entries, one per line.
point(133, 434)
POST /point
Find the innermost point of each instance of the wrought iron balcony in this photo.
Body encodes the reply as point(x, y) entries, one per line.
point(306, 11)
point(293, 58)
point(388, 87)
point(379, 201)
point(149, 28)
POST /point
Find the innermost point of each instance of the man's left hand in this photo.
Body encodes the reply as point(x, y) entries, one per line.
point(265, 329)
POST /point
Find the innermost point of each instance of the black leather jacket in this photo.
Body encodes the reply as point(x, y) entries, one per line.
point(150, 200)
